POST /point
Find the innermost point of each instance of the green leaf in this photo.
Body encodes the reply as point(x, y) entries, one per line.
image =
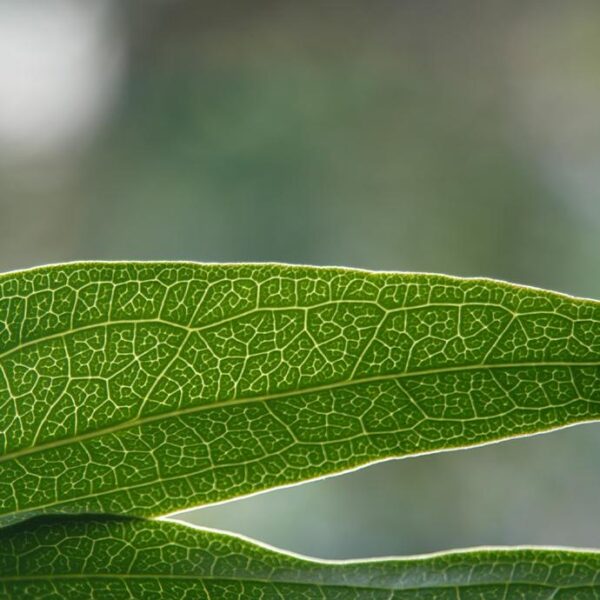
point(68, 558)
point(146, 388)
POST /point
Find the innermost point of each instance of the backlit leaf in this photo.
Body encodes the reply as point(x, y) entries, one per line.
point(93, 557)
point(146, 388)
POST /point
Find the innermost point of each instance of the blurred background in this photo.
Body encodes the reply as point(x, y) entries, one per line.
point(457, 137)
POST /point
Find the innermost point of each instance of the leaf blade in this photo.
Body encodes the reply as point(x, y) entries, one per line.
point(147, 388)
point(95, 556)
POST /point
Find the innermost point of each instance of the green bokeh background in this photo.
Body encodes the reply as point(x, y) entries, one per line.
point(456, 137)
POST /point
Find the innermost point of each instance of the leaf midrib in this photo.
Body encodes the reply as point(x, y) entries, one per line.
point(432, 588)
point(285, 394)
point(200, 578)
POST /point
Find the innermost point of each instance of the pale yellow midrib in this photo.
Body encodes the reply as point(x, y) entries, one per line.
point(285, 394)
point(318, 584)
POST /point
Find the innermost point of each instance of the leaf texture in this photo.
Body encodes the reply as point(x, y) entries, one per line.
point(146, 388)
point(89, 557)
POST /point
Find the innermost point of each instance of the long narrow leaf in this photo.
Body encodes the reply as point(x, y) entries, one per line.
point(145, 388)
point(87, 557)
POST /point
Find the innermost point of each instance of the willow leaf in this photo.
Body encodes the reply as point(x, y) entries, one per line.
point(146, 388)
point(86, 557)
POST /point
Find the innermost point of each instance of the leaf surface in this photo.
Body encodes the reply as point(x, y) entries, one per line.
point(86, 557)
point(146, 388)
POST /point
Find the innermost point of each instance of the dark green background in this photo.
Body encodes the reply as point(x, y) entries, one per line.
point(457, 137)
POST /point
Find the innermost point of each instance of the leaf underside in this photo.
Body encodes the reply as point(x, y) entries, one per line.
point(146, 388)
point(87, 557)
